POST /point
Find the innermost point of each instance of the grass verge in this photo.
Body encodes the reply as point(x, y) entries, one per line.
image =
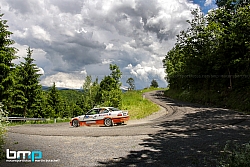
point(137, 106)
point(238, 100)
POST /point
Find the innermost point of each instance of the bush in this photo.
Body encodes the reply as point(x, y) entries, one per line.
point(235, 155)
point(2, 130)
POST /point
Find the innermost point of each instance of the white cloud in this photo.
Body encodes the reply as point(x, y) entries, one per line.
point(40, 33)
point(208, 2)
point(83, 72)
point(21, 33)
point(146, 72)
point(109, 46)
point(67, 80)
point(76, 35)
point(107, 61)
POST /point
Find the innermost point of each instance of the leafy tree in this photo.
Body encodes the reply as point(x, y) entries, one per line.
point(90, 96)
point(233, 44)
point(94, 89)
point(85, 102)
point(107, 93)
point(131, 83)
point(7, 54)
point(110, 92)
point(87, 84)
point(212, 55)
point(116, 74)
point(112, 98)
point(232, 4)
point(108, 83)
point(154, 84)
point(228, 4)
point(27, 90)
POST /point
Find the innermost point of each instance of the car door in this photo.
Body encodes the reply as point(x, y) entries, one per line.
point(90, 116)
point(104, 112)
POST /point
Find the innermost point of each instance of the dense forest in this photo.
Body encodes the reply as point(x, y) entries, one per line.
point(22, 95)
point(210, 62)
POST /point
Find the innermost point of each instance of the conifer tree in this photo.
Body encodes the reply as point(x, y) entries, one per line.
point(54, 102)
point(7, 54)
point(27, 90)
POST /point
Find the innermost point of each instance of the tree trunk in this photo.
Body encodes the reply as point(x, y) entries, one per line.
point(230, 80)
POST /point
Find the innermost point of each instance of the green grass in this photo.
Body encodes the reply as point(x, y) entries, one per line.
point(137, 106)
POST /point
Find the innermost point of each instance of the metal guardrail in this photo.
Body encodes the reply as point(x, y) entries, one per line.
point(23, 119)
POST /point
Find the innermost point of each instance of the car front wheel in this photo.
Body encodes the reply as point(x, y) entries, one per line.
point(108, 122)
point(75, 123)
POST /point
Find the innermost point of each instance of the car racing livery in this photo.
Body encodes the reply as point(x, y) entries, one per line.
point(107, 116)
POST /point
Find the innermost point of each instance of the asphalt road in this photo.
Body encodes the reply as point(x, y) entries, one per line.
point(180, 134)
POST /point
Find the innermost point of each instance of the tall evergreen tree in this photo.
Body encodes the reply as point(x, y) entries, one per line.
point(7, 54)
point(27, 90)
point(54, 102)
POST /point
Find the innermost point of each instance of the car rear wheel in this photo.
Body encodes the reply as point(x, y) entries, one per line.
point(108, 122)
point(75, 123)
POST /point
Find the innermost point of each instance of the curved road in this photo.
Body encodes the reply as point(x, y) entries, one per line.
point(133, 127)
point(180, 134)
point(170, 111)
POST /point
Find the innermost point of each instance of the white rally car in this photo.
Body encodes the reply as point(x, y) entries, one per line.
point(107, 116)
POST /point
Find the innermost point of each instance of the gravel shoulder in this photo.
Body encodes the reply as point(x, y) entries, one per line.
point(180, 134)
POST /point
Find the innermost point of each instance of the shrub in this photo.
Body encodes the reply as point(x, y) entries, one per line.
point(3, 123)
point(235, 155)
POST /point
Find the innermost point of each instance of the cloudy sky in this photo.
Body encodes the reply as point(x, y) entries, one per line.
point(74, 38)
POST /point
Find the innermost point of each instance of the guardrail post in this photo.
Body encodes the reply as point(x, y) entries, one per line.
point(143, 96)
